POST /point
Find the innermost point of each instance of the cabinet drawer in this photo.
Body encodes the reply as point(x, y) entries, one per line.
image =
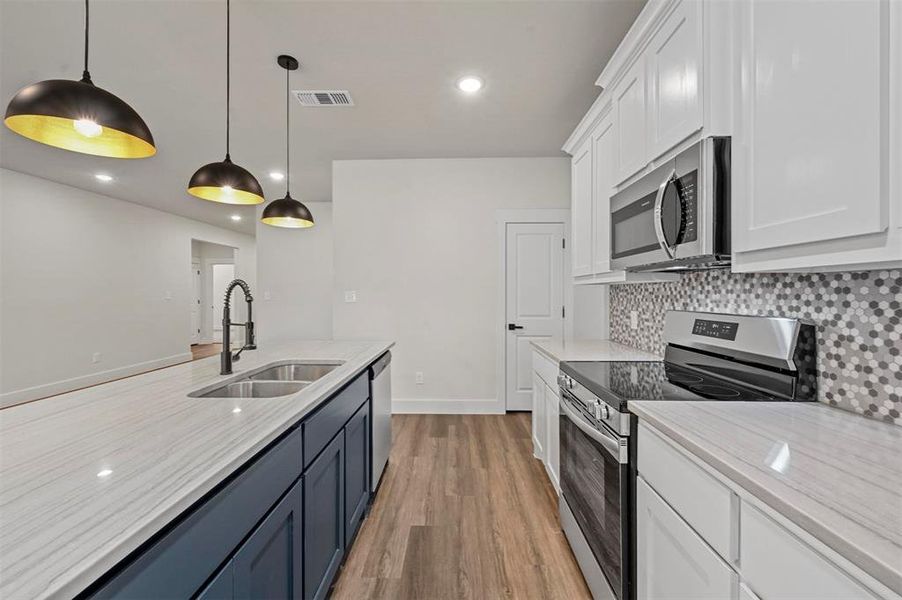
point(672, 560)
point(546, 368)
point(776, 564)
point(178, 564)
point(332, 416)
point(702, 501)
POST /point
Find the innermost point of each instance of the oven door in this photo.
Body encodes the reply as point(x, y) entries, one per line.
point(595, 485)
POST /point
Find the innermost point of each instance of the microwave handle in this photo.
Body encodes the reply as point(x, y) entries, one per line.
point(659, 201)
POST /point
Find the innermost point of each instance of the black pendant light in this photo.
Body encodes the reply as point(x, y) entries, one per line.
point(287, 212)
point(79, 116)
point(225, 181)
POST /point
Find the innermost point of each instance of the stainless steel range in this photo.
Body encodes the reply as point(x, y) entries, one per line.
point(708, 357)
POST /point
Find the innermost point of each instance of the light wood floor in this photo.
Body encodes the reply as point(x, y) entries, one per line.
point(205, 350)
point(464, 511)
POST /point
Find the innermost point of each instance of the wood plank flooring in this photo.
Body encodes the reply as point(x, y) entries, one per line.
point(464, 511)
point(199, 351)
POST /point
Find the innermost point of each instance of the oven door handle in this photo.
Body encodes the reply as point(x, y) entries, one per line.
point(658, 212)
point(609, 442)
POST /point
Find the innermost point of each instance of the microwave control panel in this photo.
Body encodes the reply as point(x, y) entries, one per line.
point(688, 187)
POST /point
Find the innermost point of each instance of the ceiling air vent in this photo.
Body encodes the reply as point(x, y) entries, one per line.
point(324, 97)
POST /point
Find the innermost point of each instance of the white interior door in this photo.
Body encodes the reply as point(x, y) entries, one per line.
point(222, 276)
point(534, 301)
point(196, 286)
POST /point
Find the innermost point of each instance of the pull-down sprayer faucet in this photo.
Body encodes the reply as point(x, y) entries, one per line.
point(225, 357)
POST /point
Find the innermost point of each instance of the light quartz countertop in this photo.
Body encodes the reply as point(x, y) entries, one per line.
point(838, 476)
point(600, 350)
point(63, 524)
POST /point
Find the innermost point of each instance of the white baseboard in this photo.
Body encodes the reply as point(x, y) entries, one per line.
point(447, 406)
point(67, 385)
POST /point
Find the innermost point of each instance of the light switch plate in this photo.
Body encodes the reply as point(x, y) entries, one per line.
point(419, 377)
point(634, 319)
point(350, 296)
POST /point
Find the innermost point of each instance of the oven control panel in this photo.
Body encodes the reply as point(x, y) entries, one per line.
point(721, 330)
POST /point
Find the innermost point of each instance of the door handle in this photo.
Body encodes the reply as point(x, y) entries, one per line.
point(513, 326)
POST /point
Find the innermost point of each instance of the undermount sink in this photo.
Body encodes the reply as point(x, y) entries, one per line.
point(254, 389)
point(271, 382)
point(307, 372)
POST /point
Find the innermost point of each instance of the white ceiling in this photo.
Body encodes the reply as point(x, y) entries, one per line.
point(399, 60)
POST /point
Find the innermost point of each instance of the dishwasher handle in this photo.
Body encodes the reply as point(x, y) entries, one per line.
point(381, 364)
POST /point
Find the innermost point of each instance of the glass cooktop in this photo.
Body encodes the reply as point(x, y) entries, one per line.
point(620, 382)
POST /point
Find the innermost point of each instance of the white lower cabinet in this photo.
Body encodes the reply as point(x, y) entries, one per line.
point(545, 416)
point(552, 437)
point(672, 560)
point(538, 417)
point(776, 564)
point(739, 553)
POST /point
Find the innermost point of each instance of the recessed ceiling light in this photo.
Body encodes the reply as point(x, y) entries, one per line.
point(105, 473)
point(276, 175)
point(469, 84)
point(236, 217)
point(103, 177)
point(236, 410)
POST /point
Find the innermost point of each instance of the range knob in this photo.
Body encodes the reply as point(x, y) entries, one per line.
point(605, 412)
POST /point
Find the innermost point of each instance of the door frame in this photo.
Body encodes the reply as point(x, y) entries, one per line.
point(503, 217)
point(209, 314)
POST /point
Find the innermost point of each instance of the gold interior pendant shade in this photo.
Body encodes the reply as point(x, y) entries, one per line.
point(224, 181)
point(287, 212)
point(80, 117)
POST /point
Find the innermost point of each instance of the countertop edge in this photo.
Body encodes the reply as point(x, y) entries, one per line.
point(881, 572)
point(637, 354)
point(80, 579)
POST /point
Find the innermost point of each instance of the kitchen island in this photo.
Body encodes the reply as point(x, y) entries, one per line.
point(88, 477)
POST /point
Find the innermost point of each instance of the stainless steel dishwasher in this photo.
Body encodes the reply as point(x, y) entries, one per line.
point(380, 374)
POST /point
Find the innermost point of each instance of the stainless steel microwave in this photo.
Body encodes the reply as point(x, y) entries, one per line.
point(677, 217)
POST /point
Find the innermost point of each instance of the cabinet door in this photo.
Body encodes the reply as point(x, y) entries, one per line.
point(671, 560)
point(809, 152)
point(324, 535)
point(268, 565)
point(630, 114)
point(776, 564)
point(357, 466)
point(539, 425)
point(223, 585)
point(552, 437)
point(674, 63)
point(603, 157)
point(581, 210)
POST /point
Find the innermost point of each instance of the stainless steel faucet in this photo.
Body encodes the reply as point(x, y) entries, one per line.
point(226, 357)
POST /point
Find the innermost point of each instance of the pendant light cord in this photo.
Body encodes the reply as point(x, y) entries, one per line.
point(86, 76)
point(228, 73)
point(287, 135)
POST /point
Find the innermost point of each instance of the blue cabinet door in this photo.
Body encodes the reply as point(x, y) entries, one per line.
point(324, 534)
point(223, 585)
point(357, 470)
point(269, 563)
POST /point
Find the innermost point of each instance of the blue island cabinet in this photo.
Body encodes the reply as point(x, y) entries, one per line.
point(277, 528)
point(267, 565)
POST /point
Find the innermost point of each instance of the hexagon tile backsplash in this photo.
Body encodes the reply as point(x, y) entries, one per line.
point(858, 317)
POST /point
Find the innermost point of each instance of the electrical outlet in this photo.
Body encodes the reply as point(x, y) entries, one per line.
point(267, 295)
point(96, 357)
point(351, 296)
point(168, 295)
point(419, 377)
point(634, 319)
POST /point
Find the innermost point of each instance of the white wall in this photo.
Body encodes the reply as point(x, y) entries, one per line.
point(417, 241)
point(294, 275)
point(82, 273)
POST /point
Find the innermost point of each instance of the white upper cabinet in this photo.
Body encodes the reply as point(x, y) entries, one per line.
point(603, 157)
point(674, 65)
point(816, 141)
point(581, 210)
point(631, 115)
